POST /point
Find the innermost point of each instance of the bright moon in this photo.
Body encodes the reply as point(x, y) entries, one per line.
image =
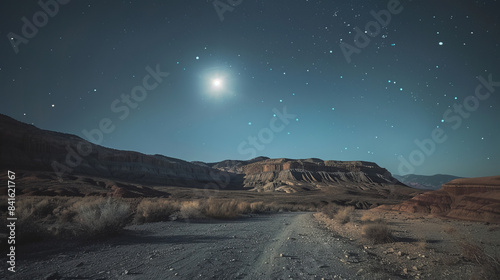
point(217, 83)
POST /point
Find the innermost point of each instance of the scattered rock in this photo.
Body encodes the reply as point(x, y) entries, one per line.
point(53, 276)
point(359, 272)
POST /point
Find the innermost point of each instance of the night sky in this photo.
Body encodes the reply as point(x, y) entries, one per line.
point(208, 81)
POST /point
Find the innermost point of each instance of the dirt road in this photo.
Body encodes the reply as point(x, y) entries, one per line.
point(278, 246)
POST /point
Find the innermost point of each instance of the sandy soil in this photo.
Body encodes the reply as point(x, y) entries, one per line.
point(278, 246)
point(425, 247)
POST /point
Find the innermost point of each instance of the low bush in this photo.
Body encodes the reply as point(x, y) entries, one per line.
point(155, 210)
point(190, 210)
point(489, 265)
point(219, 209)
point(369, 217)
point(344, 215)
point(377, 233)
point(102, 217)
point(330, 210)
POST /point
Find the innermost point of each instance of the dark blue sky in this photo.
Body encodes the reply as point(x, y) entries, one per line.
point(284, 86)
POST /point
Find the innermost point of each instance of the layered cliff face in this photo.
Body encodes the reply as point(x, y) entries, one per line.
point(466, 198)
point(63, 156)
point(290, 175)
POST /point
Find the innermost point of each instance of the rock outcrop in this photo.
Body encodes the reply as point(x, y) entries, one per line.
point(475, 199)
point(291, 175)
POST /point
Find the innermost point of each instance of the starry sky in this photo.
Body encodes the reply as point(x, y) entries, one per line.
point(410, 85)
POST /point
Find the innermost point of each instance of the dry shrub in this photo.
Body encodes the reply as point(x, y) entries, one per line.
point(489, 265)
point(102, 217)
point(219, 209)
point(244, 207)
point(258, 207)
point(472, 252)
point(450, 230)
point(330, 210)
point(33, 214)
point(42, 218)
point(190, 210)
point(344, 215)
point(155, 210)
point(369, 217)
point(377, 233)
point(33, 207)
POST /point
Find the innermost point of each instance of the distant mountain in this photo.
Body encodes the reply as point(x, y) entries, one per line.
point(54, 163)
point(424, 182)
point(234, 166)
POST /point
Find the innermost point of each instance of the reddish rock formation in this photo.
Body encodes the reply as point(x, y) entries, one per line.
point(475, 199)
point(290, 175)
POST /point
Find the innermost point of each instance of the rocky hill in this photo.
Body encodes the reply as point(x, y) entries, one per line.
point(467, 198)
point(63, 164)
point(64, 157)
point(424, 182)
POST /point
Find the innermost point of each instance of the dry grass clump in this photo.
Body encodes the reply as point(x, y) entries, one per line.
point(190, 210)
point(330, 210)
point(489, 265)
point(223, 209)
point(344, 214)
point(230, 209)
point(35, 208)
point(369, 217)
point(41, 218)
point(377, 233)
point(258, 207)
point(156, 210)
point(341, 214)
point(102, 217)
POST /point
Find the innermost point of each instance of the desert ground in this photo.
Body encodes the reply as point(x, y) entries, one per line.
point(420, 246)
point(331, 244)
